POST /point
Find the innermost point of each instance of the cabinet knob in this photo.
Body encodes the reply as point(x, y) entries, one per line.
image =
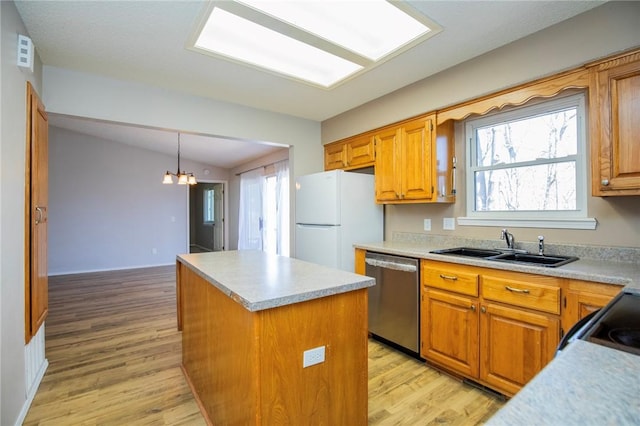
point(473, 308)
point(605, 182)
point(484, 310)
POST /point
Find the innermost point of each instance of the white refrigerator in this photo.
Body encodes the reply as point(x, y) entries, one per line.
point(335, 210)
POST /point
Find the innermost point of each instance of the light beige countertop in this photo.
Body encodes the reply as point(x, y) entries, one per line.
point(587, 384)
point(624, 274)
point(259, 280)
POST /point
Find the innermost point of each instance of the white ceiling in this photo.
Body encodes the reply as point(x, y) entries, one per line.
point(144, 41)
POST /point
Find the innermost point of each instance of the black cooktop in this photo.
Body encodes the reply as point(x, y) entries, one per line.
point(617, 325)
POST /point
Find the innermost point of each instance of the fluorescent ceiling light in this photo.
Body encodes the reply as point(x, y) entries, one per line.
point(319, 42)
point(370, 28)
point(244, 40)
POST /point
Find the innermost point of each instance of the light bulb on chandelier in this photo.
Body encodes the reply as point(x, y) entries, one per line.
point(184, 178)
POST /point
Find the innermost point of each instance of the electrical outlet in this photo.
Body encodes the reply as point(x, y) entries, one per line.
point(313, 356)
point(427, 224)
point(448, 223)
point(154, 251)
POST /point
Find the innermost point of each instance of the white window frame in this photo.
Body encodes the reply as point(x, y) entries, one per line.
point(206, 194)
point(575, 219)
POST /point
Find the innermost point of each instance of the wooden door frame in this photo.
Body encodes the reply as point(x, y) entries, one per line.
point(29, 328)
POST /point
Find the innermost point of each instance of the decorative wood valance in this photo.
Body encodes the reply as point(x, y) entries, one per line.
point(543, 88)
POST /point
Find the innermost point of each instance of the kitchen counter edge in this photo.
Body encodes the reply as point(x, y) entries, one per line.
point(263, 281)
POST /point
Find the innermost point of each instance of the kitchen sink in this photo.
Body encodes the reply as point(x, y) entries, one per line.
point(501, 256)
point(535, 259)
point(468, 252)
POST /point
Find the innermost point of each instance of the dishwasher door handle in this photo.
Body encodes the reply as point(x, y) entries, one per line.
point(391, 265)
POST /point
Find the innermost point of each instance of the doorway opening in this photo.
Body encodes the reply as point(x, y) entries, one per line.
point(207, 227)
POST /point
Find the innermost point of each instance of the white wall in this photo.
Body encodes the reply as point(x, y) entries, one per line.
point(13, 392)
point(88, 95)
point(108, 208)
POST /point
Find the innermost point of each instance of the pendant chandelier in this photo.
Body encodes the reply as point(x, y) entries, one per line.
point(184, 178)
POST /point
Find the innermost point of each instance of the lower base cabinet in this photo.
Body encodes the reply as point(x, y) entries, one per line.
point(450, 331)
point(483, 324)
point(514, 345)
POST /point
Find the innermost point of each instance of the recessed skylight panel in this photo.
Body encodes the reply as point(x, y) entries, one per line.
point(319, 42)
point(372, 28)
point(241, 39)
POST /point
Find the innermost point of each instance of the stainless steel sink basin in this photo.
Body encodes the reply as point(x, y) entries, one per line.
point(468, 252)
point(501, 256)
point(535, 259)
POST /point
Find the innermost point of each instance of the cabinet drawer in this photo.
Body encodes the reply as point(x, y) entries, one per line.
point(527, 294)
point(451, 280)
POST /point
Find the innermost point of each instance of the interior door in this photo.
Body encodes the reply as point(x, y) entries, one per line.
point(218, 206)
point(206, 217)
point(36, 281)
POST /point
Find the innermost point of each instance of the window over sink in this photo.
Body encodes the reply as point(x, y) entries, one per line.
point(527, 166)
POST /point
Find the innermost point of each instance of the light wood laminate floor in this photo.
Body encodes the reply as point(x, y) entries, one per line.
point(114, 359)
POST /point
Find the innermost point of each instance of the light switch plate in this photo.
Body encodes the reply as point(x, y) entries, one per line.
point(449, 223)
point(427, 224)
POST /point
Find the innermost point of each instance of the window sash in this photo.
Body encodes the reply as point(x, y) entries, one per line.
point(209, 202)
point(540, 108)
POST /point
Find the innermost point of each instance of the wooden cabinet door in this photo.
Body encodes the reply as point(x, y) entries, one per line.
point(36, 280)
point(581, 304)
point(417, 160)
point(388, 167)
point(449, 328)
point(335, 156)
point(582, 298)
point(361, 151)
point(514, 345)
point(616, 100)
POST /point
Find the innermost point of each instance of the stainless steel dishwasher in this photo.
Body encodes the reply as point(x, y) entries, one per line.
point(394, 314)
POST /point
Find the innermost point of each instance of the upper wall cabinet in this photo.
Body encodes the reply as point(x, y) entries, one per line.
point(414, 163)
point(615, 125)
point(351, 153)
point(414, 160)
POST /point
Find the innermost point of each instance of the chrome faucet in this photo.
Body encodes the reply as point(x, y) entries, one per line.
point(510, 239)
point(540, 245)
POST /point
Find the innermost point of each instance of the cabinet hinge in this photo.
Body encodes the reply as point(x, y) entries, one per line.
point(431, 126)
point(565, 301)
point(561, 332)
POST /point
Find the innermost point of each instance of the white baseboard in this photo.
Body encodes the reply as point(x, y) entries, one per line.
point(88, 271)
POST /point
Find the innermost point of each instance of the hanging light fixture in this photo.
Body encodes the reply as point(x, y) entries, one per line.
point(184, 178)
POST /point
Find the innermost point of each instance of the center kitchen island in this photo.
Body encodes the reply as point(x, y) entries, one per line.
point(250, 323)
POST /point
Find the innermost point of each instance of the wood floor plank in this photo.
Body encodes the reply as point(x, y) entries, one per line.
point(114, 359)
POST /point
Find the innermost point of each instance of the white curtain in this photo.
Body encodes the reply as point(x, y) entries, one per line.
point(282, 206)
point(250, 227)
